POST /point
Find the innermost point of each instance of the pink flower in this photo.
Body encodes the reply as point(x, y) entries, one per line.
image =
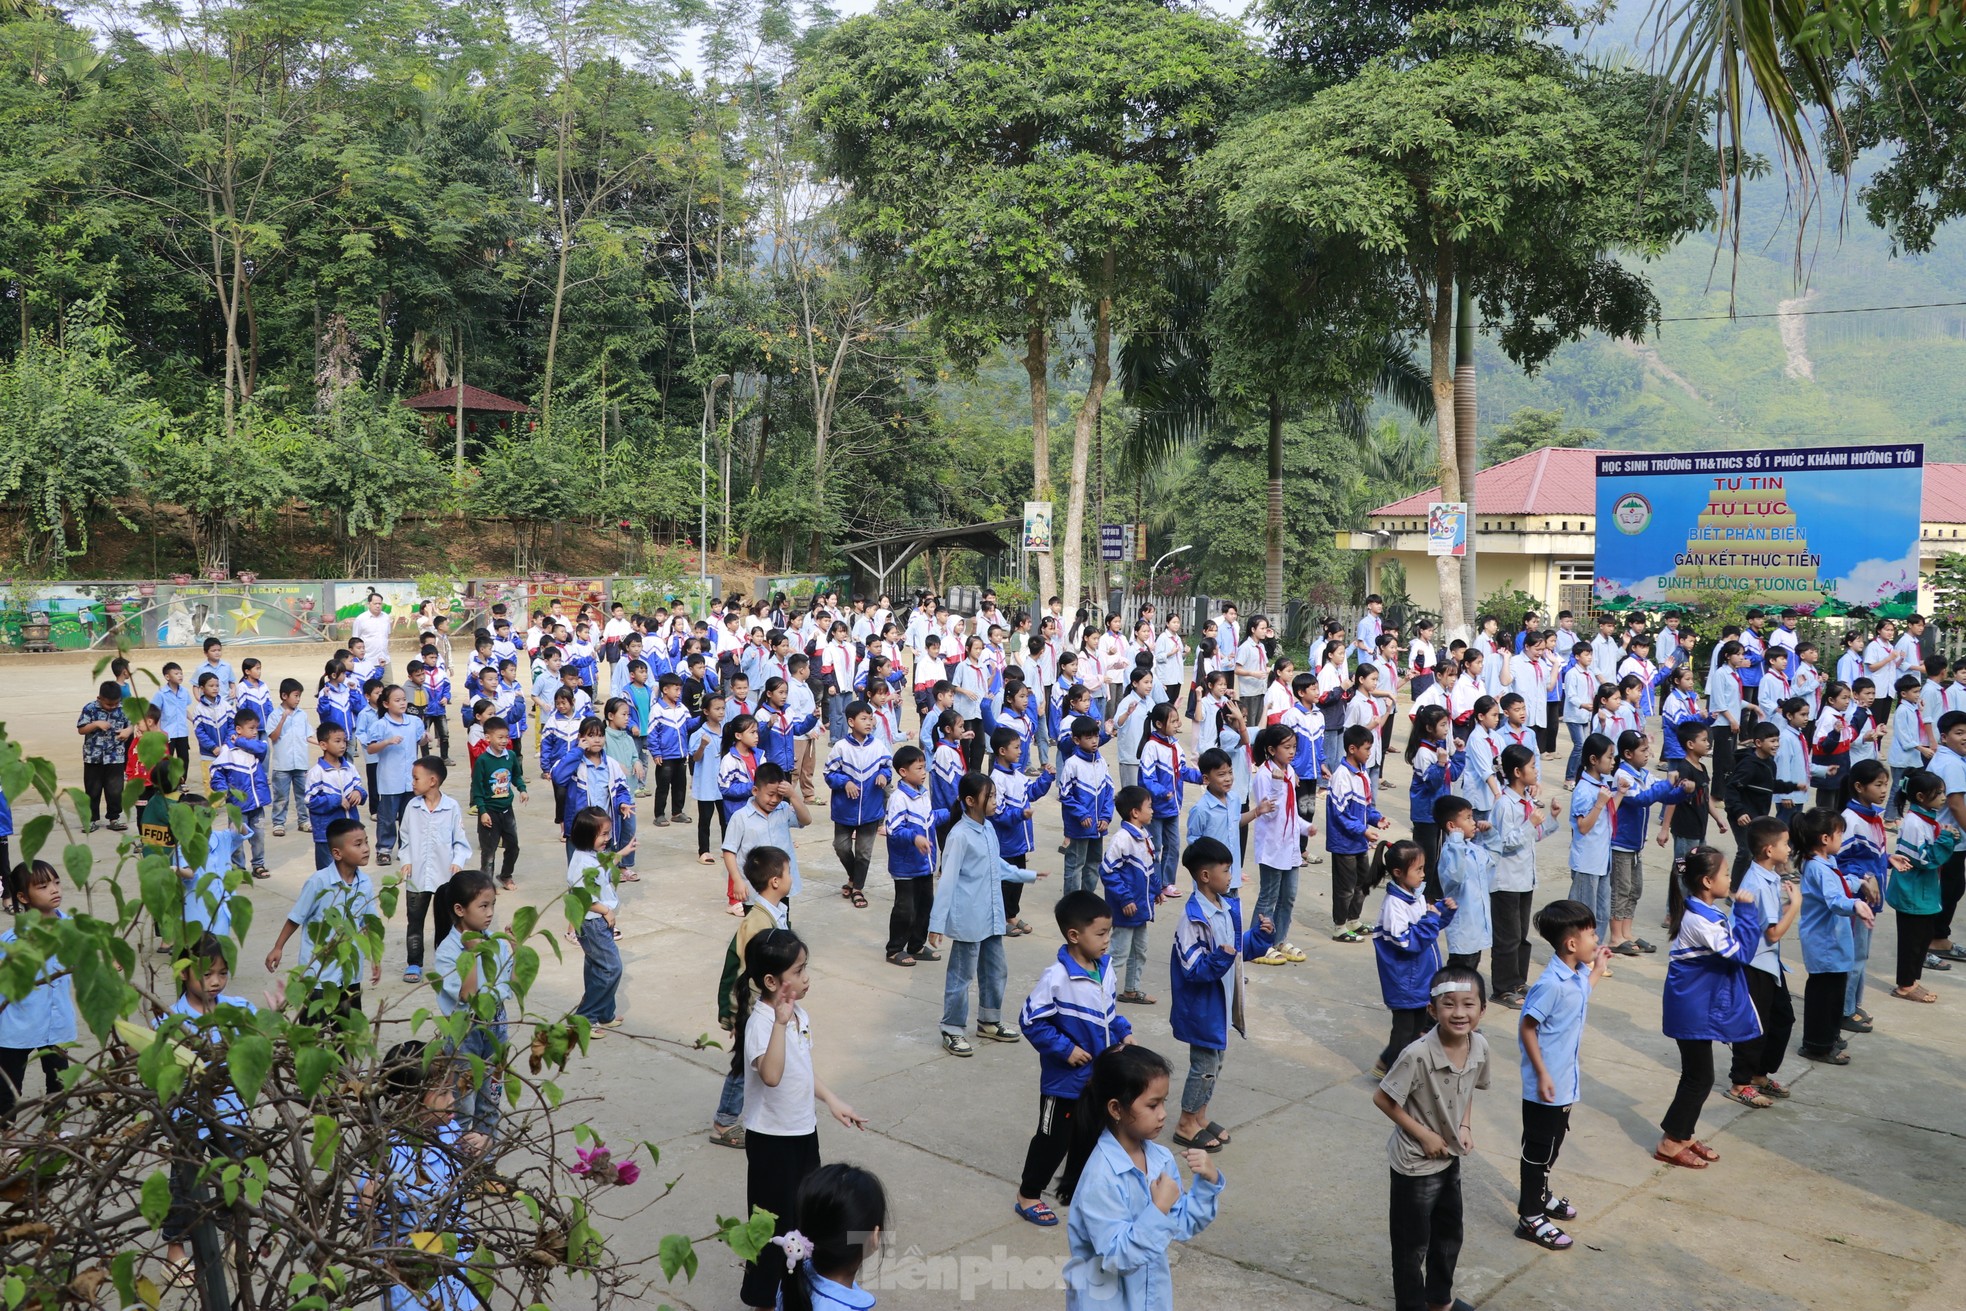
point(627, 1173)
point(598, 1163)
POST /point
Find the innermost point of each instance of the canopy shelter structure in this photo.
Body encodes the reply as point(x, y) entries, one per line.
point(477, 408)
point(884, 560)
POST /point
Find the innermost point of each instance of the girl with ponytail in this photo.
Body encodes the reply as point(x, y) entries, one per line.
point(473, 972)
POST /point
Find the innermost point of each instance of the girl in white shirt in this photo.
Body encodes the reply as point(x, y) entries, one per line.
point(1276, 837)
point(1365, 709)
point(781, 1130)
point(1276, 696)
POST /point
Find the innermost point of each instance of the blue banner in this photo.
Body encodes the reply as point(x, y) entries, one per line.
point(1830, 529)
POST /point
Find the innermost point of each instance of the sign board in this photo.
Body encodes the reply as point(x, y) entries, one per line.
point(1826, 529)
point(1037, 527)
point(1447, 528)
point(1112, 540)
point(1139, 532)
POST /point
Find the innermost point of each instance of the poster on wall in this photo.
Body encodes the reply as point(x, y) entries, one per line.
point(1824, 530)
point(184, 616)
point(1037, 527)
point(1447, 528)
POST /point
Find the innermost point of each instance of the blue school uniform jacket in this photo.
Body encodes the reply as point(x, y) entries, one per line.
point(1706, 993)
point(1016, 834)
point(1866, 847)
point(1407, 946)
point(1071, 1007)
point(211, 724)
point(779, 732)
point(863, 761)
point(1829, 903)
point(326, 785)
point(734, 780)
point(1348, 811)
point(945, 775)
point(1162, 772)
point(1199, 1011)
point(912, 815)
point(1434, 772)
point(1131, 876)
point(240, 767)
point(1085, 791)
point(1634, 813)
point(669, 730)
point(571, 771)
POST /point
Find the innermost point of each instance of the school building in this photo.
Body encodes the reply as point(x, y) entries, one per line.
point(1535, 524)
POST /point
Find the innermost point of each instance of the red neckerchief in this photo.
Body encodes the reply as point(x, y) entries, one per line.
point(748, 759)
point(1174, 749)
point(1364, 781)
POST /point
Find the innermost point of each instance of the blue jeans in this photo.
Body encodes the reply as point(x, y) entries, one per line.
point(1130, 945)
point(1594, 890)
point(286, 782)
point(1578, 732)
point(255, 821)
point(982, 963)
point(1166, 835)
point(1276, 897)
point(602, 974)
point(388, 813)
point(321, 857)
point(836, 714)
point(730, 1102)
point(1082, 857)
point(1891, 810)
point(1043, 743)
point(1204, 1063)
point(478, 1108)
point(624, 833)
point(1853, 991)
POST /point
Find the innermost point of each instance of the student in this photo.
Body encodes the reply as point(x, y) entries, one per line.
point(1071, 1018)
point(1085, 797)
point(1751, 1079)
point(215, 665)
point(1164, 774)
point(1127, 1204)
point(42, 1023)
point(1435, 768)
point(968, 910)
point(1831, 744)
point(473, 969)
point(1017, 795)
point(590, 831)
point(417, 1190)
point(1685, 816)
point(1863, 857)
point(1552, 1035)
point(1681, 707)
point(105, 732)
point(1706, 994)
point(1405, 944)
point(781, 1130)
point(1912, 739)
point(841, 1211)
point(496, 774)
point(1428, 1094)
point(436, 845)
point(620, 745)
point(767, 818)
point(1467, 877)
point(334, 789)
point(1130, 727)
point(1352, 824)
point(1754, 786)
point(337, 899)
point(211, 720)
point(704, 786)
point(287, 759)
point(1593, 813)
point(1638, 792)
point(134, 770)
point(768, 871)
point(1949, 763)
point(1364, 710)
point(209, 890)
point(592, 777)
point(1130, 872)
point(391, 742)
point(1726, 698)
point(1208, 990)
point(858, 776)
point(1925, 846)
point(202, 977)
point(1832, 903)
point(1277, 837)
point(913, 825)
point(173, 701)
point(239, 778)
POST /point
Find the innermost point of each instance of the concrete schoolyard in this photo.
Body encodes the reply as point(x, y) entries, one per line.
point(1847, 1196)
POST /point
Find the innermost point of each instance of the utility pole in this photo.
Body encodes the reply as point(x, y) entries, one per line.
point(1464, 433)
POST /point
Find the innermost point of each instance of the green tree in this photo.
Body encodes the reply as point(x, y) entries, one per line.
point(1532, 430)
point(1473, 151)
point(369, 470)
point(529, 482)
point(1011, 165)
point(228, 471)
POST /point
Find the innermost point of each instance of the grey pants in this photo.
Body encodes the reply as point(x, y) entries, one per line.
point(1627, 882)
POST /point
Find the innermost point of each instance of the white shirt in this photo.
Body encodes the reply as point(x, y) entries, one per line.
point(374, 632)
point(785, 1111)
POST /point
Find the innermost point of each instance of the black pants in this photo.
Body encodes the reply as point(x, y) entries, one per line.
point(1425, 1218)
point(854, 845)
point(1914, 939)
point(416, 906)
point(1465, 960)
point(907, 923)
point(13, 1075)
point(1509, 913)
point(775, 1166)
point(503, 831)
point(441, 727)
point(1759, 1057)
point(1952, 885)
point(1543, 1129)
point(181, 748)
point(188, 1201)
point(1723, 761)
point(560, 803)
point(375, 798)
point(100, 782)
point(1695, 1082)
point(1427, 834)
point(1409, 1025)
point(1546, 735)
point(974, 745)
point(1049, 1145)
point(1347, 886)
point(671, 787)
point(705, 809)
point(1013, 901)
point(1822, 1011)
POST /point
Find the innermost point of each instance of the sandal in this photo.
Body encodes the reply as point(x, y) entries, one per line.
point(1559, 1208)
point(1748, 1095)
point(1705, 1152)
point(1537, 1229)
point(846, 892)
point(1862, 1015)
point(1133, 998)
point(705, 858)
point(1778, 1091)
point(1205, 1139)
point(178, 1274)
point(729, 1135)
point(901, 958)
point(1037, 1213)
point(859, 899)
point(1219, 1132)
point(1685, 1157)
point(1856, 1024)
point(1830, 1057)
point(629, 876)
point(1916, 992)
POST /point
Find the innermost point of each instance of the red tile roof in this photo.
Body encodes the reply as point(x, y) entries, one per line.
point(1564, 482)
point(475, 398)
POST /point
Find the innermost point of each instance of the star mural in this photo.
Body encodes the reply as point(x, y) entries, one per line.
point(246, 618)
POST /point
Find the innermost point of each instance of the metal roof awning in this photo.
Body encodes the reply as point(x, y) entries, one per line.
point(885, 557)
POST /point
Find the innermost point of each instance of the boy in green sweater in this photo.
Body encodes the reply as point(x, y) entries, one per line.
point(495, 774)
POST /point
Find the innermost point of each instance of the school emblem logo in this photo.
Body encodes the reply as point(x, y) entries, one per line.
point(1632, 513)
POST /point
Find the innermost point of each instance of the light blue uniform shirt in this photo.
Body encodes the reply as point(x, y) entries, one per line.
point(173, 710)
point(323, 892)
point(1590, 853)
point(1557, 1001)
point(392, 763)
point(750, 829)
point(1824, 923)
point(1467, 874)
point(444, 968)
point(1220, 819)
point(1948, 765)
point(46, 1016)
point(968, 904)
point(1766, 885)
point(1117, 1239)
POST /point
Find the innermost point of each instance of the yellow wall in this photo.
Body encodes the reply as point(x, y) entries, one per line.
point(1494, 570)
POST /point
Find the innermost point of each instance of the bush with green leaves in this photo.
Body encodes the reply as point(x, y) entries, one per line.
point(278, 1221)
